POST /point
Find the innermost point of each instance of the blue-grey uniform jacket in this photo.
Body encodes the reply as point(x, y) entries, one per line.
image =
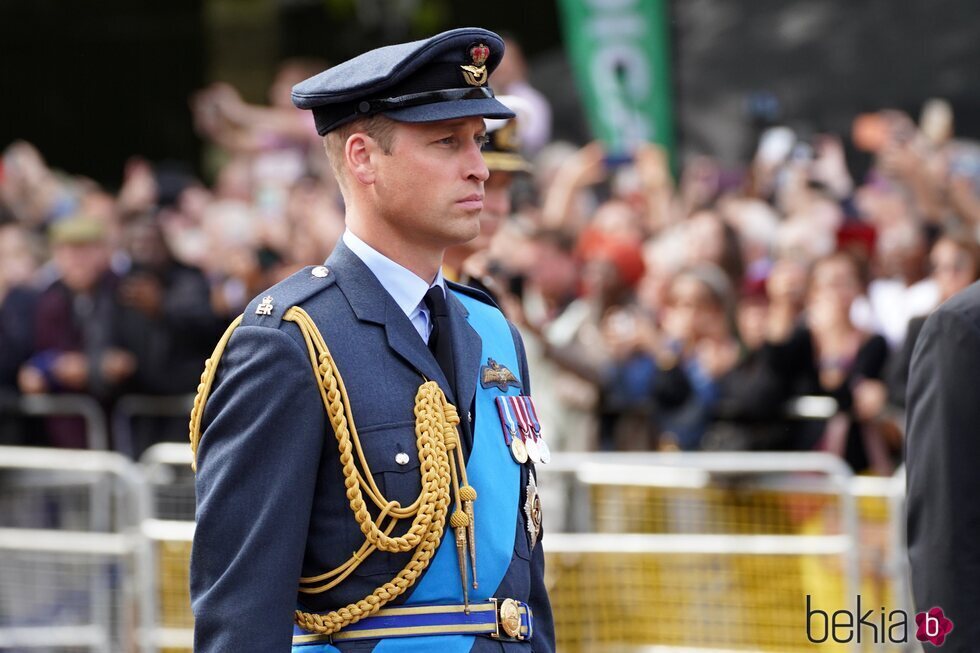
point(271, 505)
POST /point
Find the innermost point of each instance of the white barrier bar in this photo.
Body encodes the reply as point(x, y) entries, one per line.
point(696, 544)
point(168, 453)
point(53, 636)
point(173, 638)
point(180, 531)
point(59, 541)
point(168, 530)
point(735, 462)
point(75, 460)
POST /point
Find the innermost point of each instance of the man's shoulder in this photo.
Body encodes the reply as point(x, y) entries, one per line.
point(474, 293)
point(269, 307)
point(962, 307)
point(483, 297)
point(952, 329)
point(488, 301)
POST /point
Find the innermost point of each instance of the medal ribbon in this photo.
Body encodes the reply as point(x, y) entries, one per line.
point(533, 414)
point(510, 427)
point(523, 417)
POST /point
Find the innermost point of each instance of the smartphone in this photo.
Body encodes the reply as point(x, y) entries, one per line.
point(616, 160)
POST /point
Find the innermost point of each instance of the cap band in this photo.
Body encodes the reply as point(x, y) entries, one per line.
point(367, 107)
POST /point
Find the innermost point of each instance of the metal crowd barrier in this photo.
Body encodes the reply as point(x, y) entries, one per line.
point(698, 551)
point(131, 407)
point(170, 530)
point(66, 405)
point(71, 552)
point(619, 584)
point(664, 552)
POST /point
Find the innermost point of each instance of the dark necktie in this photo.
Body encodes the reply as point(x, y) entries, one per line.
point(441, 346)
point(440, 338)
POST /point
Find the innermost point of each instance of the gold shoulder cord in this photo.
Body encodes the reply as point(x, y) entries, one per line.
point(441, 467)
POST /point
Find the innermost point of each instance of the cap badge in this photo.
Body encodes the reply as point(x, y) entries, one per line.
point(476, 74)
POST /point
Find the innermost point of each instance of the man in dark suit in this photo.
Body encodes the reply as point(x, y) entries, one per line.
point(942, 456)
point(318, 425)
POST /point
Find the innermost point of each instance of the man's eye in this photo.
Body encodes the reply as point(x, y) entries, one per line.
point(448, 140)
point(481, 140)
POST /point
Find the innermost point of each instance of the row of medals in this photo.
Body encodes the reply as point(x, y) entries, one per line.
point(526, 441)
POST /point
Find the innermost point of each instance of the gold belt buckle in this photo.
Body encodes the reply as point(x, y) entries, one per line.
point(508, 618)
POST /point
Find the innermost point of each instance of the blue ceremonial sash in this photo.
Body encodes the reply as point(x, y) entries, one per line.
point(496, 478)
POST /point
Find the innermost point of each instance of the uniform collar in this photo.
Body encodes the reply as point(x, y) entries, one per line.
point(405, 287)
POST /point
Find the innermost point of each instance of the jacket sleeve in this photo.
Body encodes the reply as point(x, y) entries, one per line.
point(943, 484)
point(543, 639)
point(257, 468)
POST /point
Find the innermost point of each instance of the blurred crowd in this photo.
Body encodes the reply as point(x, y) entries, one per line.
point(660, 311)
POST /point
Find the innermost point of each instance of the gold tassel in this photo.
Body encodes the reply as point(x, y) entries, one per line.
point(460, 521)
point(468, 494)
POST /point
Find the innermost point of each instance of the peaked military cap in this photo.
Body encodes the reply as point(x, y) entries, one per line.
point(439, 78)
point(502, 153)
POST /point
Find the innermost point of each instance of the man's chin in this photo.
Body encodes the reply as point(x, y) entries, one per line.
point(467, 228)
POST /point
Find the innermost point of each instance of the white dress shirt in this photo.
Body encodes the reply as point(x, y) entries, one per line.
point(405, 287)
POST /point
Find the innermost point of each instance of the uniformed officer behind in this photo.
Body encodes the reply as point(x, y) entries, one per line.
point(471, 263)
point(364, 433)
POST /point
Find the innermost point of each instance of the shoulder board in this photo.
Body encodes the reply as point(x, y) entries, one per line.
point(268, 307)
point(469, 291)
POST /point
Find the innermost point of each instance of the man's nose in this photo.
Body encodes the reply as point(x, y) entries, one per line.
point(476, 167)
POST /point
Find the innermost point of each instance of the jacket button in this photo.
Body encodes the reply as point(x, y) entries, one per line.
point(401, 458)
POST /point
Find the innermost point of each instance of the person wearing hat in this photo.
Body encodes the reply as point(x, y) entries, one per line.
point(358, 431)
point(470, 262)
point(78, 345)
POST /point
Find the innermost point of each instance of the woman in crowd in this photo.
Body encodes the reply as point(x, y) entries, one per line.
point(828, 355)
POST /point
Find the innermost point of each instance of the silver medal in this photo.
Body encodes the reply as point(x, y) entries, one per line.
point(533, 452)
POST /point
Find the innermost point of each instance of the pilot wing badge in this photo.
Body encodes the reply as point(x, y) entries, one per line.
point(495, 374)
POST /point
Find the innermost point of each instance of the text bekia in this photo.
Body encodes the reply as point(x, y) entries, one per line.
point(843, 626)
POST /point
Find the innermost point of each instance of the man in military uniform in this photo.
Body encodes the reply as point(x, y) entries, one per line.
point(471, 263)
point(362, 432)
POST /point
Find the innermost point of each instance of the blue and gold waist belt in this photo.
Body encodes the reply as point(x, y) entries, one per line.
point(503, 619)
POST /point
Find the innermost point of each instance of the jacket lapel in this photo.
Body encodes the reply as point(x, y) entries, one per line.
point(467, 347)
point(372, 303)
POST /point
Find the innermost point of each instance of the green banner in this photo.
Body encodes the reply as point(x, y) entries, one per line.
point(620, 52)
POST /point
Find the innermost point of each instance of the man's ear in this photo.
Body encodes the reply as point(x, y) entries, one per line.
point(359, 154)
